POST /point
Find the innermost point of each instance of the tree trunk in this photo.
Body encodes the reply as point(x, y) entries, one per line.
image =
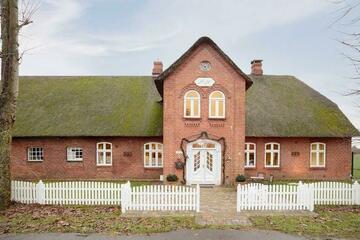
point(9, 91)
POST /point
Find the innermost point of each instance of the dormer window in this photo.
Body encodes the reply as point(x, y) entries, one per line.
point(192, 104)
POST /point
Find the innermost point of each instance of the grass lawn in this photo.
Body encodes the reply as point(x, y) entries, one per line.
point(357, 166)
point(331, 222)
point(20, 218)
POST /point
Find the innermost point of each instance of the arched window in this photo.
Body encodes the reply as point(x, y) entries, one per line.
point(104, 154)
point(250, 155)
point(217, 105)
point(272, 155)
point(317, 154)
point(153, 155)
point(192, 104)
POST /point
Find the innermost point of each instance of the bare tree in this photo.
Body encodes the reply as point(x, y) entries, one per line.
point(349, 19)
point(10, 27)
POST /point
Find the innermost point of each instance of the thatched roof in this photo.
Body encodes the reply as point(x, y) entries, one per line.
point(285, 106)
point(203, 40)
point(129, 106)
point(88, 106)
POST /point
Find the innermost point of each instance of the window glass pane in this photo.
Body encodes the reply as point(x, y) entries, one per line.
point(159, 159)
point(196, 107)
point(100, 146)
point(321, 146)
point(321, 159)
point(147, 146)
point(108, 146)
point(187, 108)
point(221, 108)
point(147, 158)
point(108, 157)
point(159, 146)
point(276, 159)
point(276, 146)
point(216, 95)
point(313, 146)
point(268, 146)
point(268, 158)
point(153, 146)
point(251, 159)
point(251, 146)
point(192, 94)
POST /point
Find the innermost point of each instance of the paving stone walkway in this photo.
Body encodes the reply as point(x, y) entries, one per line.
point(218, 207)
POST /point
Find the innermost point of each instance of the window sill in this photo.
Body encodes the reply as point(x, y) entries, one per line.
point(192, 118)
point(104, 165)
point(70, 161)
point(153, 167)
point(216, 118)
point(317, 168)
point(34, 161)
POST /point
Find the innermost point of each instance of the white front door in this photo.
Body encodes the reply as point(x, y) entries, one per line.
point(204, 163)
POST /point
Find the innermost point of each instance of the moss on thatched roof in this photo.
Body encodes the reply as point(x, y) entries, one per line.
point(285, 106)
point(276, 106)
point(88, 106)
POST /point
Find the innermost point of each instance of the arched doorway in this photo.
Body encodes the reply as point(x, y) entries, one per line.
point(204, 162)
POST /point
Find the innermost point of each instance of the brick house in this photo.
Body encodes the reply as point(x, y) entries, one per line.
point(202, 119)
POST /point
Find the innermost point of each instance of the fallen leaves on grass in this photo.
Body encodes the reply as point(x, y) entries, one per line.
point(21, 218)
point(334, 221)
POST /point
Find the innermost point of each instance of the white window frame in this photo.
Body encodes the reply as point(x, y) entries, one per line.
point(151, 151)
point(71, 154)
point(30, 159)
point(272, 151)
point(217, 100)
point(247, 154)
point(192, 115)
point(317, 151)
point(103, 151)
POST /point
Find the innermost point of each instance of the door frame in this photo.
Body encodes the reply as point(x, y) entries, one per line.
point(217, 160)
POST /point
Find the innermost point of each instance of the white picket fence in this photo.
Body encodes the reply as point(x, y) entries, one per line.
point(257, 196)
point(339, 193)
point(160, 198)
point(303, 196)
point(67, 193)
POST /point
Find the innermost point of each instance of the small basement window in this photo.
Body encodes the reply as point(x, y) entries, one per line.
point(35, 154)
point(74, 154)
point(153, 155)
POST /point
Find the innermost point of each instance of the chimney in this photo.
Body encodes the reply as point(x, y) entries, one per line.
point(256, 67)
point(157, 69)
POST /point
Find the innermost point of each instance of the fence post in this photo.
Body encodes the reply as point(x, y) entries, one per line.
point(311, 201)
point(40, 192)
point(356, 193)
point(125, 196)
point(197, 198)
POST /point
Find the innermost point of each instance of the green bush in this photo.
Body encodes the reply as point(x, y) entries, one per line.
point(240, 178)
point(172, 178)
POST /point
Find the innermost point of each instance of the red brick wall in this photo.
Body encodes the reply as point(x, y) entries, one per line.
point(232, 128)
point(338, 158)
point(56, 166)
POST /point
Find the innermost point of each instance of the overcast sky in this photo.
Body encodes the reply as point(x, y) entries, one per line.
point(118, 37)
